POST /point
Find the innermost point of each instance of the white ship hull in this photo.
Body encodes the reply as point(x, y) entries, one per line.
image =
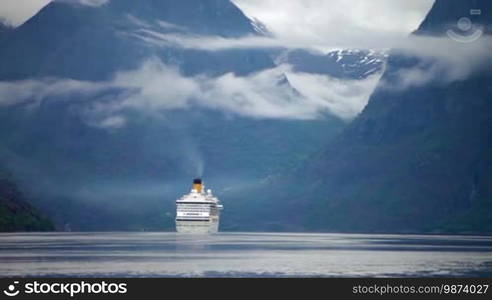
point(198, 212)
point(198, 227)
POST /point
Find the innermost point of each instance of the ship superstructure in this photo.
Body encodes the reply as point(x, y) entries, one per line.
point(199, 211)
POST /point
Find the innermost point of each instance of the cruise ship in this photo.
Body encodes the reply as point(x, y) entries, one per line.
point(199, 211)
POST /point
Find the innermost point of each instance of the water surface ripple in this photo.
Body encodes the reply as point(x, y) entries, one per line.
point(160, 254)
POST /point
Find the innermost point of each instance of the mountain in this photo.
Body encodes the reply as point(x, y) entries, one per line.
point(417, 159)
point(128, 177)
point(15, 213)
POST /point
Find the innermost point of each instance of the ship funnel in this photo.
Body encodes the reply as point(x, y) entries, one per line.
point(198, 185)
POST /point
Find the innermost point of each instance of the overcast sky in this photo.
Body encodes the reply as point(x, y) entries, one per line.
point(16, 12)
point(318, 18)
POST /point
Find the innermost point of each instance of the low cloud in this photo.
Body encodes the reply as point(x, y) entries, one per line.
point(343, 98)
point(415, 44)
point(434, 65)
point(85, 2)
point(112, 122)
point(266, 94)
point(206, 43)
point(457, 62)
point(461, 59)
point(156, 86)
point(277, 93)
point(33, 91)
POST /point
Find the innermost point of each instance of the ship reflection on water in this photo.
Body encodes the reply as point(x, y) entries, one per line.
point(242, 255)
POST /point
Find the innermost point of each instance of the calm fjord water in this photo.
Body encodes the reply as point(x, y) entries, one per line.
point(243, 255)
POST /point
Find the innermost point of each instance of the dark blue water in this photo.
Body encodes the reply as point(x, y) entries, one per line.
point(243, 255)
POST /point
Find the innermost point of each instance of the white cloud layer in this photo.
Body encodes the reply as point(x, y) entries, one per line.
point(34, 90)
point(86, 2)
point(456, 63)
point(277, 93)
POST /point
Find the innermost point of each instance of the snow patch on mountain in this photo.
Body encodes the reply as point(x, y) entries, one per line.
point(340, 63)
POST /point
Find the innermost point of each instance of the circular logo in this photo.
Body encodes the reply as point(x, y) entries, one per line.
point(464, 24)
point(11, 291)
